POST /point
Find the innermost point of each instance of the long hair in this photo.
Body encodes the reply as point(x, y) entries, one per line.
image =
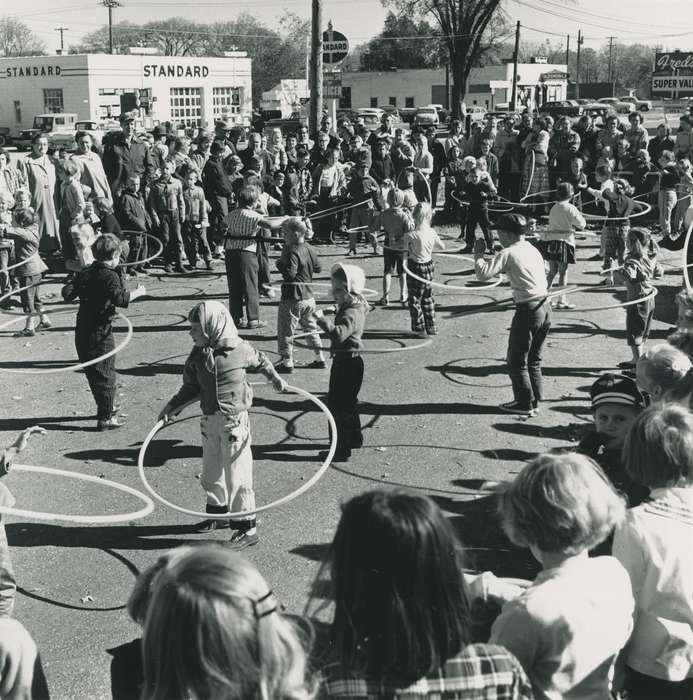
point(212, 630)
point(401, 605)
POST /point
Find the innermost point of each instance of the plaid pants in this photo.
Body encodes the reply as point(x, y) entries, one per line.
point(422, 308)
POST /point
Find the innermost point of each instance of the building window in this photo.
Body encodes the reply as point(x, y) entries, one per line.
point(374, 101)
point(409, 102)
point(225, 101)
point(345, 99)
point(17, 111)
point(392, 101)
point(186, 106)
point(53, 100)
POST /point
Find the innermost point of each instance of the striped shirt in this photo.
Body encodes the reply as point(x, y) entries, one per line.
point(242, 225)
point(479, 672)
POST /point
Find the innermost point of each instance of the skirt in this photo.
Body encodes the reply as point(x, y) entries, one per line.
point(558, 251)
point(539, 181)
point(614, 240)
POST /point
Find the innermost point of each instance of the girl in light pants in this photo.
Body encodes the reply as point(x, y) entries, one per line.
point(215, 373)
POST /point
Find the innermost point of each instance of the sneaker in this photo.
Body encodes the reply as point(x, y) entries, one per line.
point(110, 424)
point(283, 368)
point(514, 407)
point(672, 243)
point(44, 325)
point(316, 364)
point(241, 324)
point(240, 540)
point(431, 331)
point(384, 301)
point(256, 324)
point(269, 293)
point(25, 333)
point(212, 524)
point(628, 364)
point(350, 253)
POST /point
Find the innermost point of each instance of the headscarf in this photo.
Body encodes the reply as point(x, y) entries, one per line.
point(355, 280)
point(218, 329)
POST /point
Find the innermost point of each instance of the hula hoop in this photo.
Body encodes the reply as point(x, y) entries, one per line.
point(531, 175)
point(597, 217)
point(333, 211)
point(425, 342)
point(23, 262)
point(622, 305)
point(151, 257)
point(12, 292)
point(440, 285)
point(274, 504)
point(81, 365)
point(367, 293)
point(684, 258)
point(495, 210)
point(82, 519)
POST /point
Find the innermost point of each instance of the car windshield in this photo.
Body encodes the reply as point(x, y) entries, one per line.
point(43, 123)
point(85, 126)
point(427, 111)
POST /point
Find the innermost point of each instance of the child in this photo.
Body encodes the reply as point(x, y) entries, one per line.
point(637, 275)
point(195, 223)
point(559, 240)
point(654, 545)
point(134, 220)
point(24, 231)
point(215, 372)
point(602, 175)
point(100, 289)
point(615, 231)
point(668, 182)
point(420, 243)
point(362, 188)
point(297, 264)
point(684, 190)
point(167, 209)
point(213, 629)
point(263, 204)
point(6, 245)
point(396, 222)
point(490, 161)
point(8, 582)
point(276, 193)
point(567, 628)
point(346, 375)
point(524, 266)
point(616, 403)
point(577, 179)
point(454, 177)
point(660, 369)
point(72, 206)
point(476, 195)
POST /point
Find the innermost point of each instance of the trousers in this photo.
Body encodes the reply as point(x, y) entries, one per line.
point(242, 279)
point(170, 234)
point(528, 331)
point(227, 463)
point(91, 343)
point(346, 378)
point(294, 314)
point(195, 241)
point(422, 306)
point(666, 201)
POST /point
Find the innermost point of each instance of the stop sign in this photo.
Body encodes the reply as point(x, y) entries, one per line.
point(335, 46)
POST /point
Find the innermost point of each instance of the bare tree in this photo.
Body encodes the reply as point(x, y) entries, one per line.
point(470, 28)
point(16, 39)
point(125, 34)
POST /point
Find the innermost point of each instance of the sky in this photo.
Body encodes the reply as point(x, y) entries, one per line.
point(629, 21)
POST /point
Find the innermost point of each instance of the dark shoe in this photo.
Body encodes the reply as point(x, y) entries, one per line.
point(514, 407)
point(357, 441)
point(628, 364)
point(212, 524)
point(316, 364)
point(208, 264)
point(240, 540)
point(168, 269)
point(596, 257)
point(672, 243)
point(256, 324)
point(110, 424)
point(283, 368)
point(339, 457)
point(432, 331)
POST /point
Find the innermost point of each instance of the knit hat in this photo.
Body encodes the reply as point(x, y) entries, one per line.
point(618, 389)
point(515, 224)
point(355, 277)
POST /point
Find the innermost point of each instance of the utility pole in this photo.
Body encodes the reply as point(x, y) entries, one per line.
point(62, 31)
point(580, 39)
point(516, 52)
point(567, 51)
point(316, 67)
point(611, 52)
point(110, 4)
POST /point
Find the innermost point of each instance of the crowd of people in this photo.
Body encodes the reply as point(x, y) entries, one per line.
point(610, 522)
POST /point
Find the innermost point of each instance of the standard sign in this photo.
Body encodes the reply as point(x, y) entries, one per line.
point(335, 47)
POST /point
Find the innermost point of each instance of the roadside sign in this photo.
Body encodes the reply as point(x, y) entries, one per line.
point(332, 85)
point(335, 46)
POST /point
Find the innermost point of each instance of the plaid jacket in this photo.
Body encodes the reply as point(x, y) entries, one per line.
point(479, 672)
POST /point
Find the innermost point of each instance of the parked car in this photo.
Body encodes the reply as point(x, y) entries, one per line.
point(561, 108)
point(287, 126)
point(443, 113)
point(48, 124)
point(407, 114)
point(642, 105)
point(620, 106)
point(5, 138)
point(66, 139)
point(363, 111)
point(503, 114)
point(393, 112)
point(476, 113)
point(426, 116)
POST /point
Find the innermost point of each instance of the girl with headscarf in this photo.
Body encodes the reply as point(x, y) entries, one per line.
point(215, 373)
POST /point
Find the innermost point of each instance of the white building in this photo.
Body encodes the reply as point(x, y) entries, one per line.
point(487, 87)
point(286, 97)
point(185, 90)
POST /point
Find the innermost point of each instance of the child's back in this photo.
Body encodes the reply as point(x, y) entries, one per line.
point(297, 264)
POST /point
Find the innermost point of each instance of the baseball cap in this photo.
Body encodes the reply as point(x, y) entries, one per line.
point(513, 223)
point(616, 388)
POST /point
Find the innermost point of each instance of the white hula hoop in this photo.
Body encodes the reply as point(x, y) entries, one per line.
point(621, 305)
point(367, 292)
point(440, 285)
point(596, 217)
point(82, 519)
point(274, 504)
point(684, 259)
point(81, 365)
point(151, 257)
point(425, 342)
point(23, 262)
